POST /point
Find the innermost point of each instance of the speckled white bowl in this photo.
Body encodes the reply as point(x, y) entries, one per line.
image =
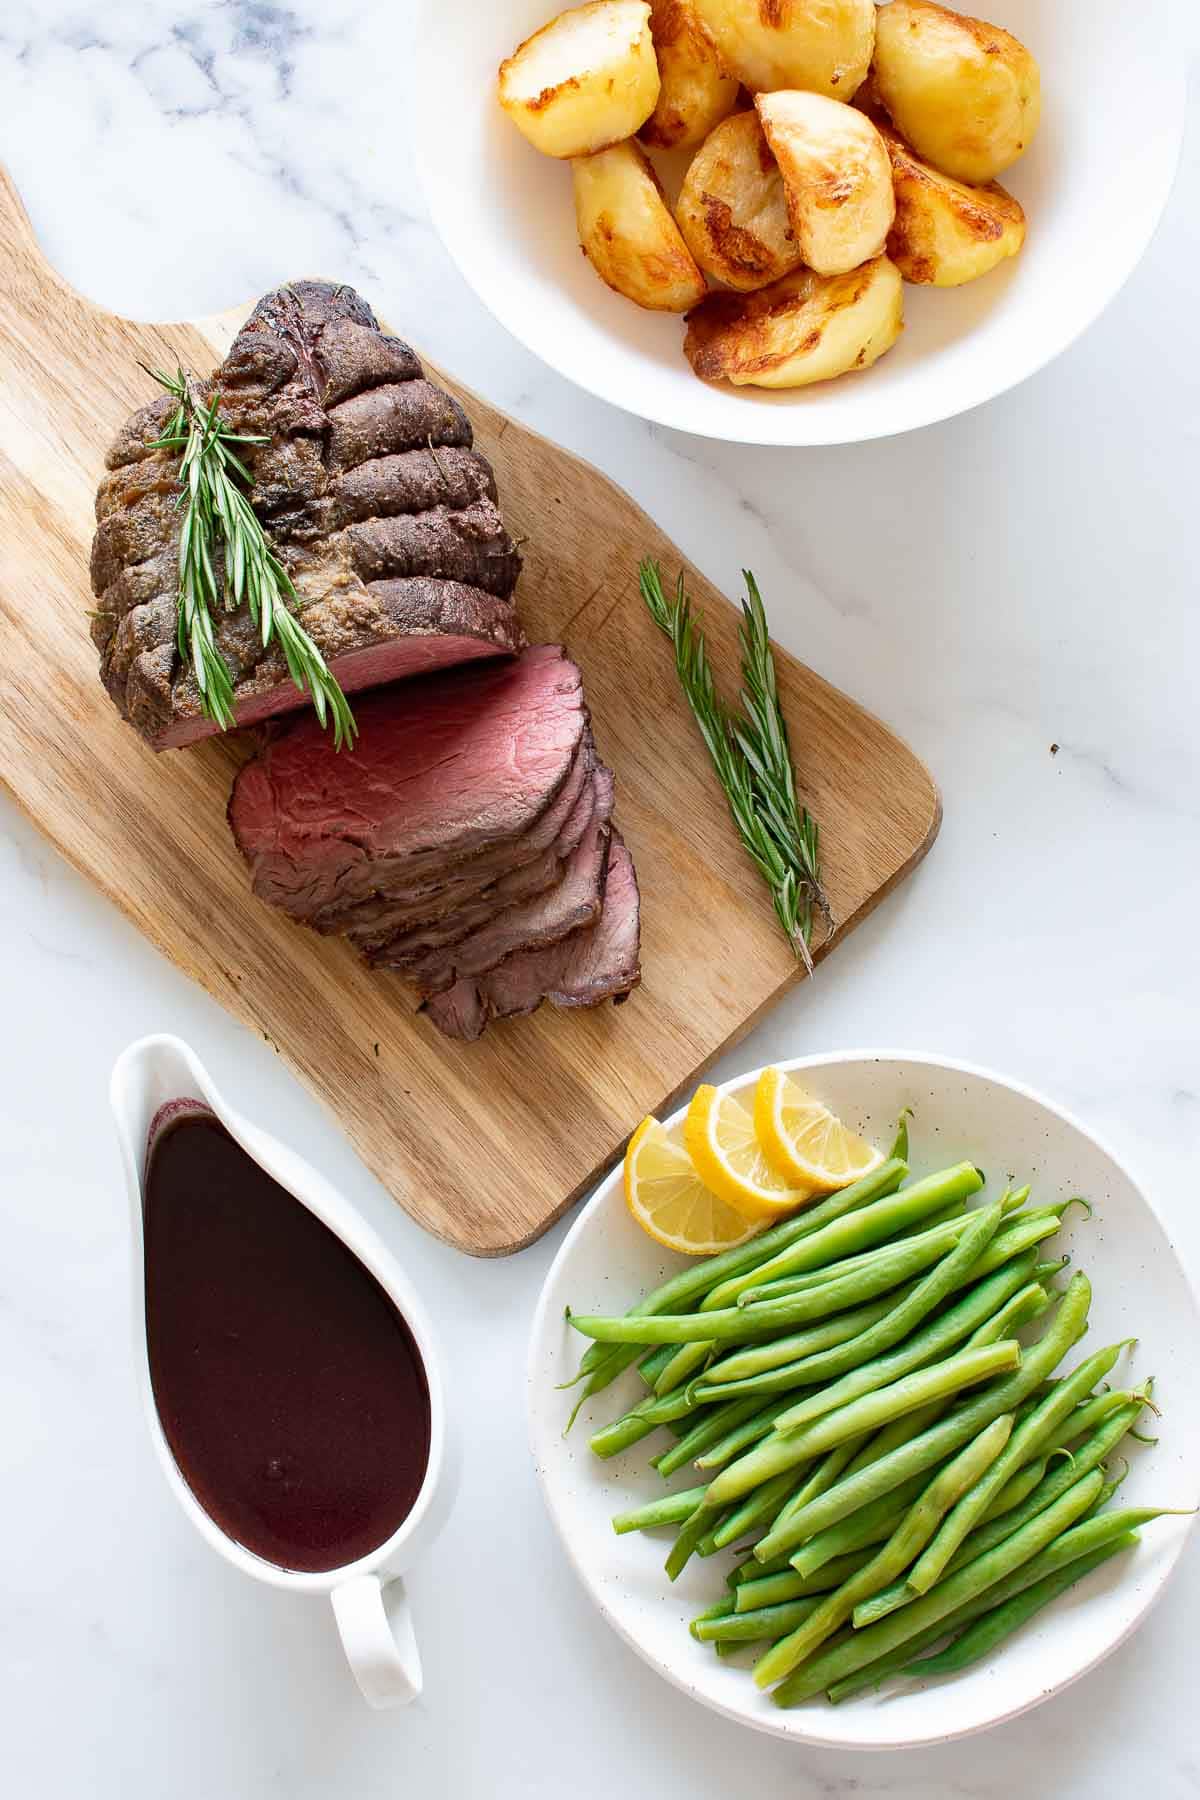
point(1093, 183)
point(606, 1262)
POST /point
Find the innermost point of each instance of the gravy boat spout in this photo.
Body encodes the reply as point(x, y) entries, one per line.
point(162, 1072)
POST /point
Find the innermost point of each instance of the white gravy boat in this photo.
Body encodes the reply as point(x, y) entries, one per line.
point(379, 1641)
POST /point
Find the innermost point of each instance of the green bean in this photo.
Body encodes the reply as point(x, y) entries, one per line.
point(1016, 1489)
point(916, 1528)
point(870, 1525)
point(600, 1377)
point(880, 1363)
point(946, 1436)
point(692, 1356)
point(1079, 1541)
point(690, 1533)
point(721, 1609)
point(1090, 1455)
point(861, 1362)
point(760, 1359)
point(672, 1509)
point(863, 1647)
point(639, 1422)
point(1018, 1235)
point(745, 1628)
point(1093, 1412)
point(915, 1251)
point(743, 1322)
point(900, 1431)
point(708, 1545)
point(759, 1424)
point(782, 1451)
point(760, 1508)
point(899, 1147)
point(690, 1284)
point(824, 1475)
point(680, 1365)
point(751, 1568)
point(769, 1590)
point(697, 1280)
point(937, 1238)
point(994, 1626)
point(868, 1225)
point(1028, 1437)
point(820, 1297)
point(711, 1428)
point(653, 1363)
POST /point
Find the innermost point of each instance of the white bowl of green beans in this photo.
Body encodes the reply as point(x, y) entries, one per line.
point(885, 1475)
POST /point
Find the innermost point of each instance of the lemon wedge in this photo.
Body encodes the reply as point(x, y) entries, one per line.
point(803, 1141)
point(669, 1200)
point(724, 1147)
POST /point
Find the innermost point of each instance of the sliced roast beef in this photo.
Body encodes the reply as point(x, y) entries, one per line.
point(444, 915)
point(454, 766)
point(598, 963)
point(369, 491)
point(570, 904)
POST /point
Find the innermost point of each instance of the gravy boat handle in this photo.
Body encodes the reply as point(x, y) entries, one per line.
point(379, 1641)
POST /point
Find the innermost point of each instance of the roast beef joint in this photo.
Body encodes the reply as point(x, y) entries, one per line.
point(467, 840)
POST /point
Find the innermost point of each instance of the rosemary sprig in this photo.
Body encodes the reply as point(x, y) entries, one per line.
point(750, 753)
point(216, 512)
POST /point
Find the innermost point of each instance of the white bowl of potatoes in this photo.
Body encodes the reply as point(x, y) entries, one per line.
point(803, 222)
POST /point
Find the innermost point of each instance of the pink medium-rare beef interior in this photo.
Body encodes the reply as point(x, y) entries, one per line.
point(572, 902)
point(467, 842)
point(388, 900)
point(443, 767)
point(400, 660)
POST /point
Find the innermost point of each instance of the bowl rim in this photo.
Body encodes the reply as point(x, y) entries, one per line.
point(534, 1377)
point(781, 426)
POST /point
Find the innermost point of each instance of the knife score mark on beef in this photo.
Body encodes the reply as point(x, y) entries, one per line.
point(467, 841)
point(370, 493)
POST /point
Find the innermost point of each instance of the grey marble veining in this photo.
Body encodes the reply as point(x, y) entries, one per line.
point(1021, 577)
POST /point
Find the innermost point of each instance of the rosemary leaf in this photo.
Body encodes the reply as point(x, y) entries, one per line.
point(751, 754)
point(218, 515)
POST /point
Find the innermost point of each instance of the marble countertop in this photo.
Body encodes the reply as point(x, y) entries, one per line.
point(177, 156)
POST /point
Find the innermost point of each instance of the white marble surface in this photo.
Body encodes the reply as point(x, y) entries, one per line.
point(1022, 576)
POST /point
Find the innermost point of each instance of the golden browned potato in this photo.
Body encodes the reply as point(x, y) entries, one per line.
point(966, 95)
point(823, 45)
point(586, 80)
point(628, 234)
point(696, 94)
point(805, 328)
point(732, 210)
point(945, 232)
point(836, 175)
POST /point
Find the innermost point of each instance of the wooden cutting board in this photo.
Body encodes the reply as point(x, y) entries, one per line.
point(484, 1144)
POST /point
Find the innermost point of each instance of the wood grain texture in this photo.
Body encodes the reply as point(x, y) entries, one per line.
point(484, 1144)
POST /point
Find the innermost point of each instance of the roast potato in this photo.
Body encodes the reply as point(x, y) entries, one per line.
point(805, 328)
point(836, 175)
point(732, 210)
point(695, 93)
point(965, 95)
point(628, 234)
point(586, 80)
point(823, 45)
point(946, 233)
